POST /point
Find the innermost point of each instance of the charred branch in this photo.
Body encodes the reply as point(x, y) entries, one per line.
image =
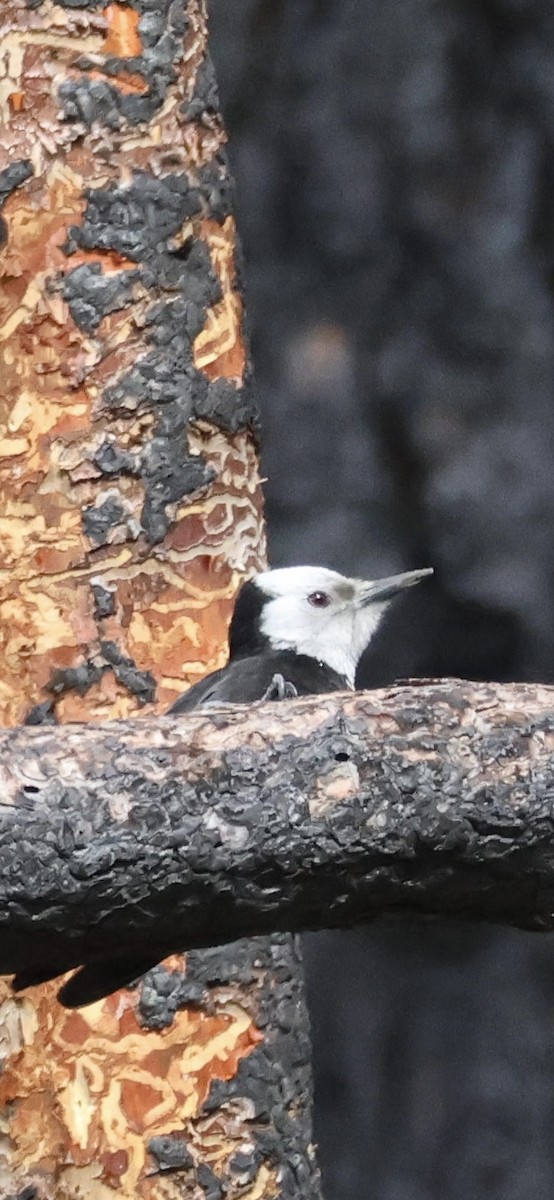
point(175, 833)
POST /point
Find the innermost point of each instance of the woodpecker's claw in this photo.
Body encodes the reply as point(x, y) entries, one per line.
point(280, 689)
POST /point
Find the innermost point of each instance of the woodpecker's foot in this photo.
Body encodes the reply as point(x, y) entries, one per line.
point(280, 689)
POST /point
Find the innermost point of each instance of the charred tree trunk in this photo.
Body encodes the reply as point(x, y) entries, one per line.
point(130, 510)
point(130, 501)
point(131, 839)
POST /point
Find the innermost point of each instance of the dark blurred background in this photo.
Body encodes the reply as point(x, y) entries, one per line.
point(395, 171)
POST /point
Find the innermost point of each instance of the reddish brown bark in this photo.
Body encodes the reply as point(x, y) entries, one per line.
point(170, 601)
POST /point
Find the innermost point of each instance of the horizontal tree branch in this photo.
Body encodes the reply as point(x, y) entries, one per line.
point(172, 833)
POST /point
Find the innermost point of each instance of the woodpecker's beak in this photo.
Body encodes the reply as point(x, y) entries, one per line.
point(384, 589)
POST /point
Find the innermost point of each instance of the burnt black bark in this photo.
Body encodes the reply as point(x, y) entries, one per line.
point(324, 812)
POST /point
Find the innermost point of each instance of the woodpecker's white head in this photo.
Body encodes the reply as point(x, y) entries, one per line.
point(314, 611)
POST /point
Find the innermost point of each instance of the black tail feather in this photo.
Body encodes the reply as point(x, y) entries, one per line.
point(95, 980)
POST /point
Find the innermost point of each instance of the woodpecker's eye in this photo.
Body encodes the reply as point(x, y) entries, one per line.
point(319, 599)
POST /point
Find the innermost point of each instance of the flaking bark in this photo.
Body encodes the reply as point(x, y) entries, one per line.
point(184, 832)
point(129, 493)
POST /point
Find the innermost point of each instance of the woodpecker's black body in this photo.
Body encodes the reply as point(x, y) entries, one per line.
point(249, 679)
point(297, 631)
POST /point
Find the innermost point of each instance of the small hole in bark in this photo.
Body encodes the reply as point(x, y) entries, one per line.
point(342, 756)
point(181, 253)
point(30, 787)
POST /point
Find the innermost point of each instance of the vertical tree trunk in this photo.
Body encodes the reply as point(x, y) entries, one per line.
point(130, 497)
point(130, 508)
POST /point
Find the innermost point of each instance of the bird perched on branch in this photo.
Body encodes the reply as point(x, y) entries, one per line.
point(296, 631)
